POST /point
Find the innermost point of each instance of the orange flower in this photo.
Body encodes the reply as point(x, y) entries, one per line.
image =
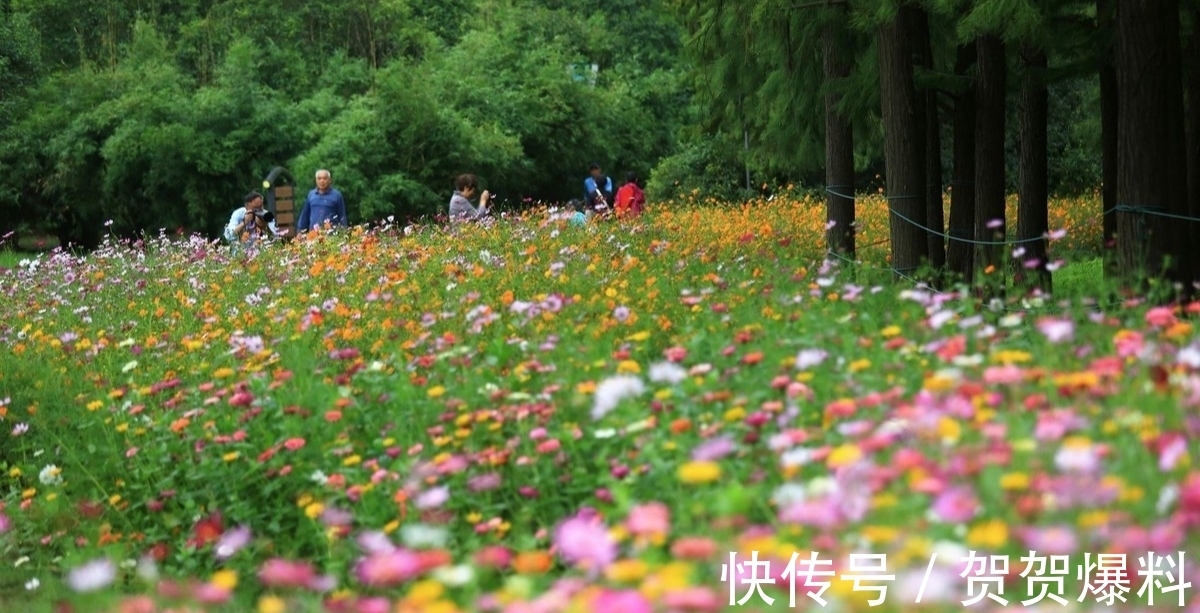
point(532, 562)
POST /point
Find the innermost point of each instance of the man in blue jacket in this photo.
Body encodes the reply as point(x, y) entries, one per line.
point(597, 189)
point(324, 205)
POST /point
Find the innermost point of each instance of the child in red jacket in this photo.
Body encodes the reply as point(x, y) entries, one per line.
point(630, 199)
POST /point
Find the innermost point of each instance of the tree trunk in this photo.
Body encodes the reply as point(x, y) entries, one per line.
point(1193, 119)
point(989, 154)
point(1151, 147)
point(905, 178)
point(1108, 137)
point(1033, 193)
point(961, 254)
point(930, 129)
point(839, 146)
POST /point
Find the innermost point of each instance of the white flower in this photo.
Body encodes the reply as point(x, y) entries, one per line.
point(454, 576)
point(796, 457)
point(92, 576)
point(424, 536)
point(612, 391)
point(130, 365)
point(32, 584)
point(667, 372)
point(1189, 356)
point(1167, 498)
point(605, 433)
point(808, 358)
point(789, 493)
point(318, 477)
point(50, 475)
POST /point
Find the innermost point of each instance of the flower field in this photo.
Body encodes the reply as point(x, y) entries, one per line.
point(526, 416)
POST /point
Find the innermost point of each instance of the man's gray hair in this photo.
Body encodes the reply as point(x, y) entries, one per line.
point(324, 172)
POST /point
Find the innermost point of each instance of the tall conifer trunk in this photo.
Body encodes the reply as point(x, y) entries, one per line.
point(931, 144)
point(1033, 205)
point(961, 254)
point(1151, 150)
point(839, 145)
point(905, 175)
point(989, 154)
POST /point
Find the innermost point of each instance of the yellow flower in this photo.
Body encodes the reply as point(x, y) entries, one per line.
point(843, 455)
point(1011, 356)
point(694, 473)
point(1014, 481)
point(890, 331)
point(231, 456)
point(313, 510)
point(628, 366)
point(29, 493)
point(15, 472)
point(991, 534)
point(424, 592)
point(352, 460)
point(226, 578)
point(949, 429)
point(223, 372)
point(435, 391)
point(626, 571)
point(860, 365)
point(94, 405)
point(391, 526)
point(271, 604)
point(735, 414)
point(114, 499)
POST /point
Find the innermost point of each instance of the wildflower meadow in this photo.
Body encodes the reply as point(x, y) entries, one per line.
point(670, 413)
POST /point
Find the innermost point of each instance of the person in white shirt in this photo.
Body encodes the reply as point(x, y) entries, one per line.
point(250, 223)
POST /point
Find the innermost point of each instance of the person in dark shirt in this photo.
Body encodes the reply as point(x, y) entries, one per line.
point(323, 206)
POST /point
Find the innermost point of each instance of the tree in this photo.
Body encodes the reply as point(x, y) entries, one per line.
point(905, 170)
point(1151, 159)
point(839, 143)
point(961, 253)
point(990, 95)
point(1033, 210)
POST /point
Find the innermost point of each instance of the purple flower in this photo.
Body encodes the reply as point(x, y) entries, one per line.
point(1057, 330)
point(232, 541)
point(713, 449)
point(483, 483)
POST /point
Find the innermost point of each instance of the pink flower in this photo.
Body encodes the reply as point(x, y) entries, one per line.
point(625, 601)
point(693, 548)
point(484, 483)
point(388, 569)
point(823, 513)
point(700, 599)
point(433, 498)
point(675, 354)
point(494, 556)
point(1049, 540)
point(956, 505)
point(549, 446)
point(649, 519)
point(1057, 330)
point(1160, 317)
point(1129, 344)
point(373, 604)
point(1009, 374)
point(208, 593)
point(585, 542)
point(5, 523)
point(293, 444)
point(278, 572)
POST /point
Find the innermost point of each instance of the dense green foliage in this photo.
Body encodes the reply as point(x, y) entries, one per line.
point(162, 114)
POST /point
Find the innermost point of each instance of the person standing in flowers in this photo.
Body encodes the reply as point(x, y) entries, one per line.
point(465, 187)
point(597, 189)
point(630, 198)
point(324, 206)
point(250, 223)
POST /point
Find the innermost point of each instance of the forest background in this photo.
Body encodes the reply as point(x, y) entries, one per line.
point(162, 113)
